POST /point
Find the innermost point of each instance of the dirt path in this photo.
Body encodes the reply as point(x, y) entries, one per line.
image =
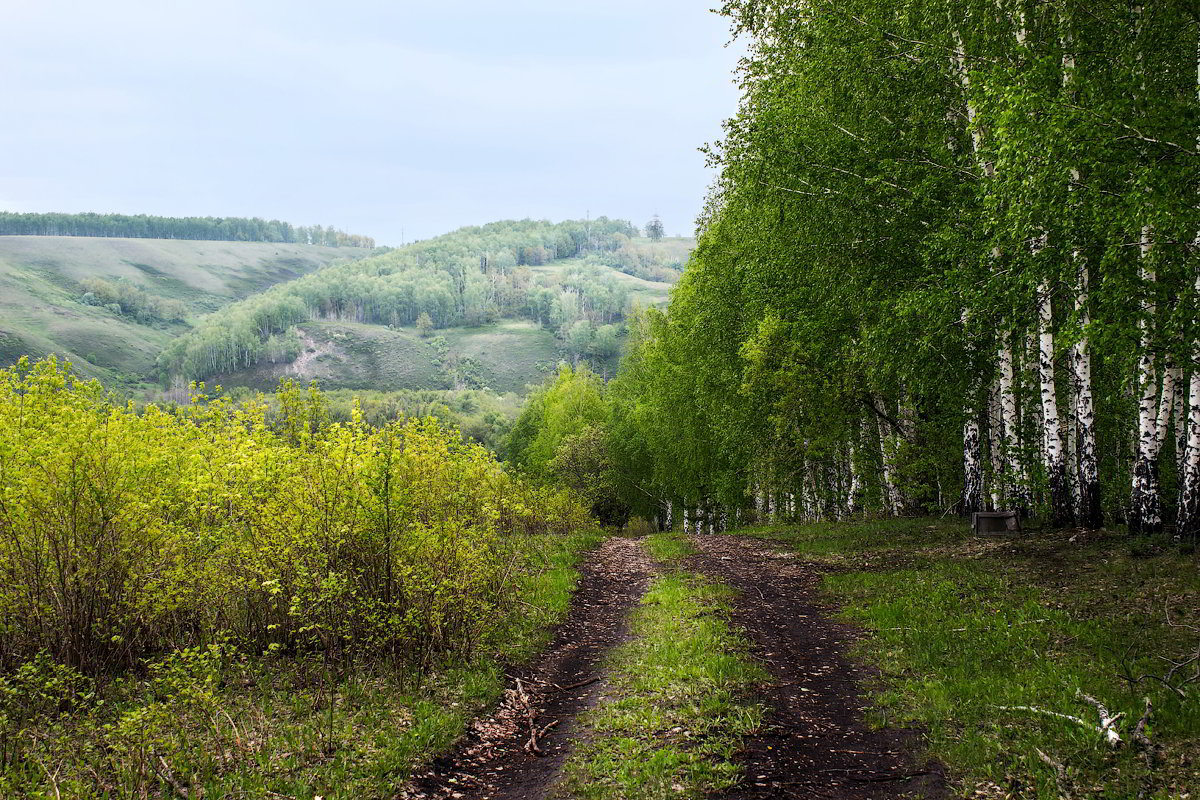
point(814, 742)
point(491, 764)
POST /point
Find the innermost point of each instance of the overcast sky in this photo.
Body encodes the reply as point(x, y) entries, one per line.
point(377, 117)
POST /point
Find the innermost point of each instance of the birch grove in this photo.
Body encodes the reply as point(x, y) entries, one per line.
point(949, 263)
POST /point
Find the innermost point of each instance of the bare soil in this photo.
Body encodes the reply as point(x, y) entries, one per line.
point(492, 762)
point(814, 742)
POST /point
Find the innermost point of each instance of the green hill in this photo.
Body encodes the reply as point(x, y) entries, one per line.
point(165, 286)
point(496, 307)
point(491, 307)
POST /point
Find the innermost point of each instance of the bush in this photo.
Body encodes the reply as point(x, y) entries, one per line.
point(127, 534)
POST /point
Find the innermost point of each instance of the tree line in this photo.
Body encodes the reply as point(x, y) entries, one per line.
point(950, 264)
point(143, 226)
point(470, 277)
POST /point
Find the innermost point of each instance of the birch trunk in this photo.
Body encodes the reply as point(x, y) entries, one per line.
point(1145, 509)
point(995, 447)
point(972, 496)
point(1082, 427)
point(854, 495)
point(1015, 480)
point(1090, 514)
point(887, 486)
point(1172, 379)
point(1179, 415)
point(1061, 512)
point(1187, 522)
point(1187, 518)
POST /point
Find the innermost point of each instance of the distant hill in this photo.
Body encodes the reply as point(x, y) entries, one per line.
point(495, 306)
point(53, 293)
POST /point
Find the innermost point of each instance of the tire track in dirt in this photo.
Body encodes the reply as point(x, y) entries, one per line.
point(814, 742)
point(491, 763)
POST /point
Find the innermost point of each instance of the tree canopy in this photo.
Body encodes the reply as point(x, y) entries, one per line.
point(950, 263)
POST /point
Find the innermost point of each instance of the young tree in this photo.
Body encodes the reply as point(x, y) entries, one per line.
point(654, 229)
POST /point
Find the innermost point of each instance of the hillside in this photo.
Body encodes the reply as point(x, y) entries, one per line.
point(504, 356)
point(493, 307)
point(42, 282)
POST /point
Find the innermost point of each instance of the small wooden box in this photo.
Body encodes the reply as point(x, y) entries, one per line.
point(987, 522)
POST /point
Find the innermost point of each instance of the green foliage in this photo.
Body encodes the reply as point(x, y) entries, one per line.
point(424, 324)
point(562, 437)
point(231, 723)
point(130, 300)
point(901, 185)
point(128, 533)
point(654, 229)
point(230, 543)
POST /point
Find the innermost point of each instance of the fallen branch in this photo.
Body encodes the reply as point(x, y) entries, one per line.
point(167, 776)
point(1107, 720)
point(531, 746)
point(579, 684)
point(1061, 778)
point(1140, 738)
point(1105, 728)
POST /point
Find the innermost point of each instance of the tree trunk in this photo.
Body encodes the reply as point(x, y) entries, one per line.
point(1187, 521)
point(972, 496)
point(887, 484)
point(1061, 512)
point(1015, 481)
point(1090, 514)
point(854, 495)
point(1145, 508)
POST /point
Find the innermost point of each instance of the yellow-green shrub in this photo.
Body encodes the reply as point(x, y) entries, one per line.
point(126, 533)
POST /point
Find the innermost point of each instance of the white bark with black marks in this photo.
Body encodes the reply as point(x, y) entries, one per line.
point(995, 447)
point(855, 492)
point(1088, 492)
point(888, 485)
point(1145, 507)
point(1061, 512)
point(1188, 519)
point(1016, 481)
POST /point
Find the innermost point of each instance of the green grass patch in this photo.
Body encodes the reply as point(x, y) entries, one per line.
point(668, 547)
point(963, 625)
point(224, 723)
point(676, 703)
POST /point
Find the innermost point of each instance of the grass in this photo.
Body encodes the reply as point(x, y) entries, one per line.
point(676, 702)
point(234, 725)
point(508, 355)
point(963, 625)
point(505, 356)
point(39, 287)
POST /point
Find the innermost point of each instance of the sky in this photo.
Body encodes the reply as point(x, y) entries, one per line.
point(398, 120)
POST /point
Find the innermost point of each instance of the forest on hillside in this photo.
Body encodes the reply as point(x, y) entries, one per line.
point(469, 277)
point(950, 264)
point(144, 226)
